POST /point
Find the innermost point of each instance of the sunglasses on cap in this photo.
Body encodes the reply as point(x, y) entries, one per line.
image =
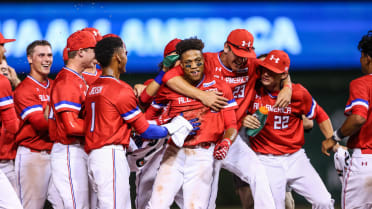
point(241, 47)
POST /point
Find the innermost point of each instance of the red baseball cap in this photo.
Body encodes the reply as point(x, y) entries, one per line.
point(4, 40)
point(65, 54)
point(241, 43)
point(276, 61)
point(80, 40)
point(95, 32)
point(111, 35)
point(171, 46)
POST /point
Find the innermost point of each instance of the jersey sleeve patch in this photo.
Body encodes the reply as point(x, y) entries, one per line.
point(131, 114)
point(31, 109)
point(66, 104)
point(6, 101)
point(158, 105)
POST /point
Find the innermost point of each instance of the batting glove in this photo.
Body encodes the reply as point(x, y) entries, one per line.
point(169, 60)
point(221, 149)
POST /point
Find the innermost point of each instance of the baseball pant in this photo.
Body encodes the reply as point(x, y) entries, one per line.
point(187, 168)
point(109, 172)
point(7, 167)
point(33, 174)
point(295, 170)
point(8, 197)
point(70, 175)
point(243, 162)
point(341, 159)
point(357, 184)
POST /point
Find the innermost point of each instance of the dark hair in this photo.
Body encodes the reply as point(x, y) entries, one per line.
point(189, 44)
point(106, 48)
point(31, 46)
point(365, 45)
point(262, 56)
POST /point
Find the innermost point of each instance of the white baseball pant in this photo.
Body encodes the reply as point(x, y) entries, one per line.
point(109, 172)
point(7, 167)
point(357, 184)
point(187, 168)
point(295, 170)
point(70, 175)
point(33, 174)
point(243, 162)
point(8, 197)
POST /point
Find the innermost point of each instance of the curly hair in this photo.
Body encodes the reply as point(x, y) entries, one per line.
point(189, 44)
point(365, 45)
point(106, 48)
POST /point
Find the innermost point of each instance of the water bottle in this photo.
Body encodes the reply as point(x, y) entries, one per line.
point(261, 115)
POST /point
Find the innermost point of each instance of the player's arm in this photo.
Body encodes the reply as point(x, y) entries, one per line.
point(352, 125)
point(73, 124)
point(285, 94)
point(223, 146)
point(307, 123)
point(211, 99)
point(10, 122)
point(38, 121)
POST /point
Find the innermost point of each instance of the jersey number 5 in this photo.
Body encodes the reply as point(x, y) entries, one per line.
point(281, 122)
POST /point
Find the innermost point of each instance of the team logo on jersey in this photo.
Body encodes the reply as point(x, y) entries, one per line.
point(218, 69)
point(275, 59)
point(95, 90)
point(44, 98)
point(209, 84)
point(246, 43)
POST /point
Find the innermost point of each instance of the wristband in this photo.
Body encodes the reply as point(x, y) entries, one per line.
point(288, 85)
point(337, 135)
point(159, 77)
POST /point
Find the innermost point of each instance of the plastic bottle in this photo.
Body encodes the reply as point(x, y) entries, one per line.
point(261, 115)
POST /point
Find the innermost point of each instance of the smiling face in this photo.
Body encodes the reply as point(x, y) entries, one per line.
point(270, 80)
point(231, 60)
point(192, 63)
point(41, 60)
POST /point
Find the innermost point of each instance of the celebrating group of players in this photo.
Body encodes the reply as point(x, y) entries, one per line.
point(74, 141)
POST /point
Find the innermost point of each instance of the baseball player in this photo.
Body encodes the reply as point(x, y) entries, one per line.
point(33, 169)
point(278, 144)
point(190, 167)
point(10, 125)
point(69, 160)
point(356, 187)
point(8, 148)
point(236, 65)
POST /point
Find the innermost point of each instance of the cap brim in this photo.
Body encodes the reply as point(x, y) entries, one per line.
point(6, 41)
point(269, 67)
point(242, 52)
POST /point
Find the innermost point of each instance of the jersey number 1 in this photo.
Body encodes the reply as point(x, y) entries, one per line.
point(93, 106)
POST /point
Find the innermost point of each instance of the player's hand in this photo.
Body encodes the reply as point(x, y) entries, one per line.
point(46, 112)
point(251, 122)
point(284, 97)
point(221, 149)
point(213, 100)
point(138, 89)
point(328, 144)
point(13, 77)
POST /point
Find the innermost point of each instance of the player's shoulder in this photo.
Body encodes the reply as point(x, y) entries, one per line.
point(363, 80)
point(210, 55)
point(4, 83)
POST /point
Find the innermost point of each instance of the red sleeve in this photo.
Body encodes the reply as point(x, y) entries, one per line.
point(357, 103)
point(321, 115)
point(6, 99)
point(141, 124)
point(9, 120)
point(70, 101)
point(229, 119)
point(176, 71)
point(38, 121)
point(145, 99)
point(126, 104)
point(73, 124)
